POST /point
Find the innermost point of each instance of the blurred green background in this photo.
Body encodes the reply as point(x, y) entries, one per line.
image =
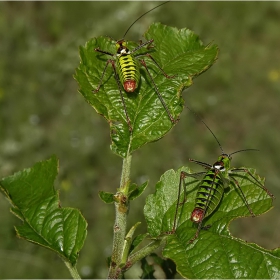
point(41, 113)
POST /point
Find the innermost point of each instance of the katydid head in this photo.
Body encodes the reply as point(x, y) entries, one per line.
point(223, 163)
point(121, 47)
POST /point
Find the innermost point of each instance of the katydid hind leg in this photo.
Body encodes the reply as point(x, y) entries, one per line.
point(243, 196)
point(181, 183)
point(258, 183)
point(159, 67)
point(197, 231)
point(104, 71)
point(174, 121)
point(102, 76)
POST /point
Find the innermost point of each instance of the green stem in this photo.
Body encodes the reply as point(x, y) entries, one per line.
point(127, 243)
point(73, 270)
point(125, 174)
point(144, 252)
point(121, 208)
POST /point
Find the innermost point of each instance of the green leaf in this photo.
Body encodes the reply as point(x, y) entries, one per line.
point(178, 52)
point(106, 197)
point(135, 191)
point(35, 201)
point(215, 253)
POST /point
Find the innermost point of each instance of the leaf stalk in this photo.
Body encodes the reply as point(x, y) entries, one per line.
point(73, 270)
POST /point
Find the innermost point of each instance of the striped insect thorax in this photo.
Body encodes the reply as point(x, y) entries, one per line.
point(127, 67)
point(209, 194)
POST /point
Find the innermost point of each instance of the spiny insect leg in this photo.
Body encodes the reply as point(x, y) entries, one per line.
point(182, 182)
point(206, 165)
point(102, 76)
point(243, 196)
point(155, 62)
point(197, 231)
point(141, 45)
point(257, 181)
point(159, 94)
point(149, 44)
point(104, 52)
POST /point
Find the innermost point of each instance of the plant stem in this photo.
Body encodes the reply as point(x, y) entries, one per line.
point(73, 270)
point(144, 252)
point(121, 208)
point(125, 174)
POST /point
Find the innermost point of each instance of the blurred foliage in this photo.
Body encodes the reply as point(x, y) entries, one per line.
point(41, 113)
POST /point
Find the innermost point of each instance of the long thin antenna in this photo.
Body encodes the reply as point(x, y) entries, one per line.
point(208, 128)
point(142, 16)
point(244, 150)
